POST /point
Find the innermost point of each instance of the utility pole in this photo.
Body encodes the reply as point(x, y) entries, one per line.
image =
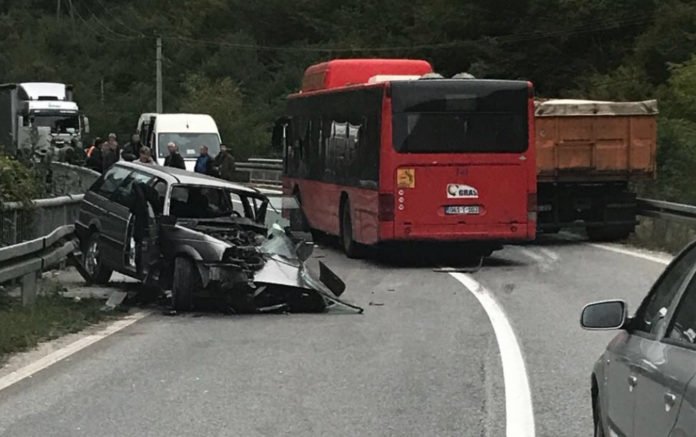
point(159, 75)
point(102, 91)
point(58, 11)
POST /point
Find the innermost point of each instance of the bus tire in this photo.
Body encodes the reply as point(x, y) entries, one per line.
point(348, 244)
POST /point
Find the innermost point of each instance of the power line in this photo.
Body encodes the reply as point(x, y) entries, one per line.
point(118, 20)
point(107, 28)
point(504, 39)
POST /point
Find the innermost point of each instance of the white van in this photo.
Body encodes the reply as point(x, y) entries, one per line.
point(188, 131)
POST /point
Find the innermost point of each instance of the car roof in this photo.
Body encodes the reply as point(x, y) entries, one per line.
point(178, 176)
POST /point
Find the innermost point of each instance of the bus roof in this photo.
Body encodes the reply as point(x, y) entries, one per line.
point(340, 73)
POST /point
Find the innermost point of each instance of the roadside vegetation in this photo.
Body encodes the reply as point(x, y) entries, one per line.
point(237, 60)
point(52, 316)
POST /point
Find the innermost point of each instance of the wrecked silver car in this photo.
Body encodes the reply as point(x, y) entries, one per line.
point(202, 238)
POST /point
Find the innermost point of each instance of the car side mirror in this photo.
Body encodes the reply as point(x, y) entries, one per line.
point(606, 315)
point(305, 250)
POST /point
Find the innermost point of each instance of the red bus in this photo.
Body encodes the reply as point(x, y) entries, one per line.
point(383, 150)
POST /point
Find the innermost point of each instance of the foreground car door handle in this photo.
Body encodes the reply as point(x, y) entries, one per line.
point(632, 382)
point(670, 400)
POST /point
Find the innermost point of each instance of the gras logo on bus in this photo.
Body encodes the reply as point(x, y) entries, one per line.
point(458, 191)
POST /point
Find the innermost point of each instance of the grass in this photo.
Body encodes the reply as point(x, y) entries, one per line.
point(52, 316)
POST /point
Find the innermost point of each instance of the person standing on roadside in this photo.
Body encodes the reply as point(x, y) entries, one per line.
point(109, 155)
point(223, 164)
point(174, 159)
point(94, 156)
point(131, 150)
point(145, 156)
point(204, 162)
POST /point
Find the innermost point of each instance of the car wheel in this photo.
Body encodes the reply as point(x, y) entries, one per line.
point(598, 427)
point(186, 282)
point(93, 262)
point(349, 246)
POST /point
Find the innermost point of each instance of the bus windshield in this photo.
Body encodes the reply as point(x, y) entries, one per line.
point(189, 143)
point(454, 116)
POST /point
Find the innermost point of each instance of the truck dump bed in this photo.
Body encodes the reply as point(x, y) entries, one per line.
point(582, 140)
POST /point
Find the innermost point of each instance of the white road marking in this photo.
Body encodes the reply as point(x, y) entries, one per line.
point(533, 255)
point(658, 258)
point(549, 253)
point(56, 356)
point(519, 412)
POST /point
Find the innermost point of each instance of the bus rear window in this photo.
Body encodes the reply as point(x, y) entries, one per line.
point(460, 116)
point(453, 132)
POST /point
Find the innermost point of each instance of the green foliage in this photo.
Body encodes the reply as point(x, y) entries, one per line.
point(237, 59)
point(50, 317)
point(18, 183)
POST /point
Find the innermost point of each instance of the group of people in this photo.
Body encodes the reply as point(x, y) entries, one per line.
point(102, 154)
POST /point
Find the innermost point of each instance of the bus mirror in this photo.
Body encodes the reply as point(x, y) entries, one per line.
point(85, 124)
point(279, 136)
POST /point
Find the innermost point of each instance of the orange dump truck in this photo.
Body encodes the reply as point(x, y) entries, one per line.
point(588, 153)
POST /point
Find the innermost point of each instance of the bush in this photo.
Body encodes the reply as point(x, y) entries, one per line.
point(18, 183)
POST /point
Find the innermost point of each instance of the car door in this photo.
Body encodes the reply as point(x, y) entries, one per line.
point(666, 374)
point(633, 352)
point(101, 205)
point(120, 218)
point(151, 243)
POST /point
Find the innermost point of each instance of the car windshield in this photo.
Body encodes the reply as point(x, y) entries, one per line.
point(189, 144)
point(198, 202)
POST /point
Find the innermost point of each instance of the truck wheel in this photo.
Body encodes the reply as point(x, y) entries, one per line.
point(349, 246)
point(93, 262)
point(186, 282)
point(609, 233)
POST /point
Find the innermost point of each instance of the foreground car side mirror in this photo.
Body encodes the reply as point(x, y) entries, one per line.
point(606, 315)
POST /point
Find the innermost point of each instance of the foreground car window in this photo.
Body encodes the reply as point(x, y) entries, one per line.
point(663, 293)
point(684, 324)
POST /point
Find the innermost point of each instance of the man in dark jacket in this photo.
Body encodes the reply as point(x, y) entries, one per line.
point(204, 162)
point(109, 155)
point(174, 159)
point(94, 155)
point(131, 150)
point(223, 164)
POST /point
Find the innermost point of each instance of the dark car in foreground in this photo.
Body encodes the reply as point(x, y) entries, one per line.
point(643, 384)
point(204, 237)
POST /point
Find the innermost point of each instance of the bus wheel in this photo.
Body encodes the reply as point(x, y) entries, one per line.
point(349, 246)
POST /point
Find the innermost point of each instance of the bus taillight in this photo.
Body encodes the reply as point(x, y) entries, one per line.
point(386, 207)
point(532, 207)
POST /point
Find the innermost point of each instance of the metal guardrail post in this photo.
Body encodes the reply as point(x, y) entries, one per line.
point(29, 288)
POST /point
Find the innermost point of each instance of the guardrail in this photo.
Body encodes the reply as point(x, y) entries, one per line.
point(26, 221)
point(27, 260)
point(667, 210)
point(262, 171)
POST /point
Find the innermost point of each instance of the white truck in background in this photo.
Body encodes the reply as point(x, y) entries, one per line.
point(188, 131)
point(40, 119)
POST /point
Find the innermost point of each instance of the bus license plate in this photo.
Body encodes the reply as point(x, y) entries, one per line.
point(469, 210)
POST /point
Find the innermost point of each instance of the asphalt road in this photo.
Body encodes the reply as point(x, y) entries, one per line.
point(422, 361)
